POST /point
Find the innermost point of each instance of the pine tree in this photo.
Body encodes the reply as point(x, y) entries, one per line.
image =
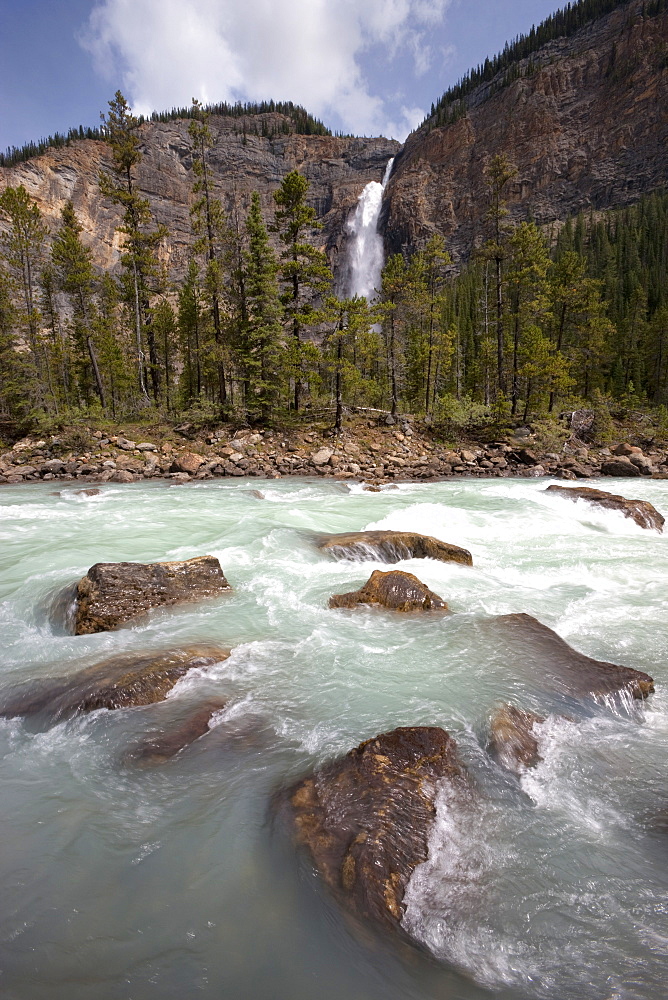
point(304, 269)
point(141, 241)
point(21, 247)
point(499, 172)
point(261, 332)
point(74, 269)
point(211, 233)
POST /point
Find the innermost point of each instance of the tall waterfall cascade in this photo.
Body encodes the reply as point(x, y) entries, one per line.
point(366, 245)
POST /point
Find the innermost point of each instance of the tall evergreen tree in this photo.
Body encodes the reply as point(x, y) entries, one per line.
point(140, 240)
point(211, 233)
point(74, 269)
point(304, 269)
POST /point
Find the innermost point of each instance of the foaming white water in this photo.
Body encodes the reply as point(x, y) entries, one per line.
point(366, 243)
point(552, 885)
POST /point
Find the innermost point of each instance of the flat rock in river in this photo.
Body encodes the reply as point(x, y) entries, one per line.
point(395, 590)
point(161, 747)
point(640, 511)
point(113, 593)
point(561, 668)
point(124, 681)
point(391, 547)
point(366, 818)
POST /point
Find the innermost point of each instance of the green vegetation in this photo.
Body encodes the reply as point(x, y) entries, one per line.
point(562, 24)
point(302, 123)
point(530, 326)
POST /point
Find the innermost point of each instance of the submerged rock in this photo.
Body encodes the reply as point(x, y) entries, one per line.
point(161, 747)
point(391, 547)
point(640, 511)
point(113, 593)
point(395, 590)
point(366, 818)
point(512, 741)
point(124, 681)
point(562, 668)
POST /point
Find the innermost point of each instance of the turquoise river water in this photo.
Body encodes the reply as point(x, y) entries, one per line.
point(177, 881)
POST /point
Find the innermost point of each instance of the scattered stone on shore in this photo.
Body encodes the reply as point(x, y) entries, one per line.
point(620, 467)
point(113, 593)
point(391, 547)
point(396, 590)
point(188, 462)
point(512, 740)
point(559, 667)
point(366, 818)
point(124, 681)
point(640, 511)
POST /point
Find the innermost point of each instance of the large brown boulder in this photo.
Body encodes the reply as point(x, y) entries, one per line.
point(113, 593)
point(188, 461)
point(640, 511)
point(124, 681)
point(619, 467)
point(391, 547)
point(395, 590)
point(366, 818)
point(559, 667)
point(512, 740)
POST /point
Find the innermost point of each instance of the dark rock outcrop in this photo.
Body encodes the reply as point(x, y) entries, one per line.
point(241, 161)
point(560, 668)
point(396, 590)
point(512, 741)
point(113, 593)
point(620, 467)
point(583, 120)
point(124, 681)
point(391, 547)
point(640, 511)
point(366, 818)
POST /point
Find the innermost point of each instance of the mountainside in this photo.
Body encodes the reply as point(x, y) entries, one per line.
point(584, 119)
point(240, 162)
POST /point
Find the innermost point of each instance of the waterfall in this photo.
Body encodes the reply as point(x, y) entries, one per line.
point(366, 244)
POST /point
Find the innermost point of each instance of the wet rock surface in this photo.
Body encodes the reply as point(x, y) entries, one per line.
point(512, 741)
point(396, 590)
point(113, 593)
point(366, 818)
point(162, 746)
point(125, 681)
point(391, 547)
point(555, 664)
point(640, 511)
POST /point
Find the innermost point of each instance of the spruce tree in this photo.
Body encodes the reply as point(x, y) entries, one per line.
point(261, 333)
point(211, 231)
point(72, 262)
point(22, 247)
point(140, 240)
point(304, 269)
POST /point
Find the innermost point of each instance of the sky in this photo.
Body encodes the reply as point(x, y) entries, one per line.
point(367, 67)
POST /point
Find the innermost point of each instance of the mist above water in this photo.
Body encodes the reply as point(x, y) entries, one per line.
point(176, 881)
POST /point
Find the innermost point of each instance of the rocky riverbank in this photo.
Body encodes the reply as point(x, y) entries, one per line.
point(370, 452)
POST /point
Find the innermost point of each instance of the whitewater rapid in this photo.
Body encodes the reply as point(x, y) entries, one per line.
point(176, 881)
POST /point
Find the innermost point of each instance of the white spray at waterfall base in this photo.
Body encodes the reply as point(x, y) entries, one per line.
point(366, 245)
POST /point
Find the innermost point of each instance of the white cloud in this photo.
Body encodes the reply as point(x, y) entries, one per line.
point(308, 51)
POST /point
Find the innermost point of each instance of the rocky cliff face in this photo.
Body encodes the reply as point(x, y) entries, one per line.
point(338, 169)
point(587, 127)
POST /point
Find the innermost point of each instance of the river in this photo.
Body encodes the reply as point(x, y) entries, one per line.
point(122, 882)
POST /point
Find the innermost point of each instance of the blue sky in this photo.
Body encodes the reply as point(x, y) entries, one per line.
point(364, 66)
